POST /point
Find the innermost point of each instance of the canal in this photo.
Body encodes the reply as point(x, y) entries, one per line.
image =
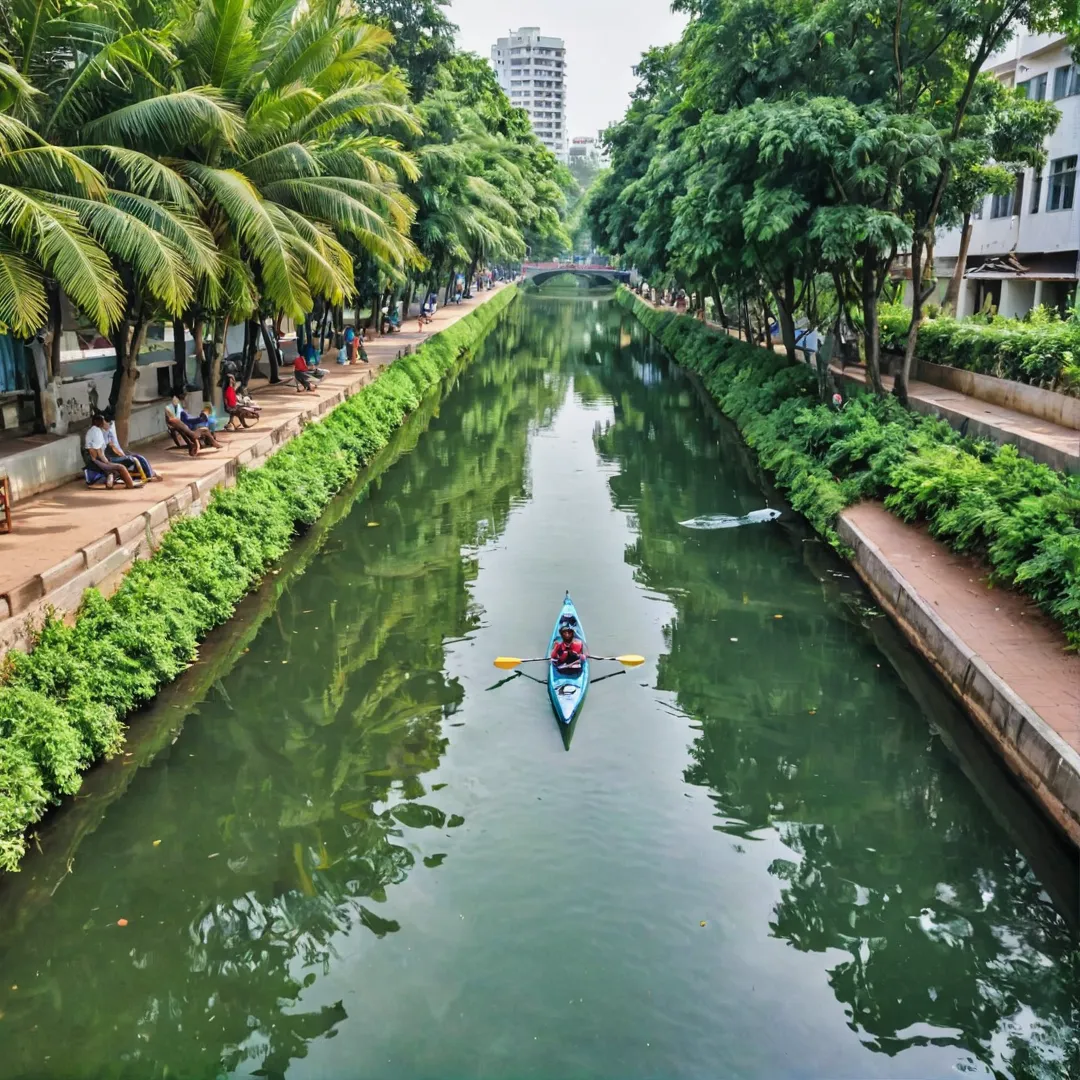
point(775, 850)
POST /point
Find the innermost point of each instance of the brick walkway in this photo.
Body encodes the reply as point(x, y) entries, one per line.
point(1020, 643)
point(72, 537)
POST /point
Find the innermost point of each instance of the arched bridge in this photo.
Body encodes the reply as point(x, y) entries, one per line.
point(538, 273)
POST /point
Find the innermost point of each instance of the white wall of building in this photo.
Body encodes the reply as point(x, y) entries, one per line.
point(531, 69)
point(1032, 228)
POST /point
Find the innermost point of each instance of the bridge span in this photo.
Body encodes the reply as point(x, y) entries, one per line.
point(538, 273)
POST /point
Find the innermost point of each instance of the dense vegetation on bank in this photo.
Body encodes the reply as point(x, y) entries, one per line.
point(62, 705)
point(216, 162)
point(1023, 519)
point(795, 159)
point(1042, 350)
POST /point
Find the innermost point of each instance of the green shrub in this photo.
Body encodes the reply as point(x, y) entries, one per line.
point(1041, 350)
point(1023, 519)
point(63, 703)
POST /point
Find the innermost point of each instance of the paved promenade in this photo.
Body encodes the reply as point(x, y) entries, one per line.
point(1017, 641)
point(67, 539)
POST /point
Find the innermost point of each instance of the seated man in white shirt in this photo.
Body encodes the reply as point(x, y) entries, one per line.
point(117, 454)
point(98, 465)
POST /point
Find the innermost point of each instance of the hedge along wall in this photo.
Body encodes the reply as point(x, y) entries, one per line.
point(62, 705)
point(1023, 519)
point(1041, 352)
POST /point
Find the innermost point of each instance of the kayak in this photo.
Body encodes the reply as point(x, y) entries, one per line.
point(567, 692)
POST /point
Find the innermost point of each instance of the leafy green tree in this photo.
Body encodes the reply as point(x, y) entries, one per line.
point(423, 37)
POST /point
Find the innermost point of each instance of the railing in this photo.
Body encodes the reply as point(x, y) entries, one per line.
point(567, 266)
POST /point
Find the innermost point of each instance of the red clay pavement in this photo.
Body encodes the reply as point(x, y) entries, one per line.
point(1023, 646)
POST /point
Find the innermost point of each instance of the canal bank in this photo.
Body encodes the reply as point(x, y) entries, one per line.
point(354, 859)
point(62, 705)
point(1001, 657)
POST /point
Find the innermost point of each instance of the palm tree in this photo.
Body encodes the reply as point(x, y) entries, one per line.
point(210, 164)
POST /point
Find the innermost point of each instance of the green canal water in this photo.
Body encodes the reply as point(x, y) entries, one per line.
point(775, 850)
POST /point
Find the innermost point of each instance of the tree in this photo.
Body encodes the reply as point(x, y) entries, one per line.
point(423, 38)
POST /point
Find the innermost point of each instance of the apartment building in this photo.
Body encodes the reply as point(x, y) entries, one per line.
point(1025, 245)
point(531, 68)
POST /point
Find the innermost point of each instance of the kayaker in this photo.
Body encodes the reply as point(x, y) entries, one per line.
point(568, 652)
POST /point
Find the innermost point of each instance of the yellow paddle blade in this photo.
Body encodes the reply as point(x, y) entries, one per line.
point(631, 660)
point(507, 662)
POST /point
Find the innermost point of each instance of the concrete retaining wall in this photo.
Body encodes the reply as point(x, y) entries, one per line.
point(1036, 753)
point(1031, 400)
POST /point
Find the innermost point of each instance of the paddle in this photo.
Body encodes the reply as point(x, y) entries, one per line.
point(507, 663)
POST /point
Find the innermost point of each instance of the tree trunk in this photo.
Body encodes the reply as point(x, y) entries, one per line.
point(871, 334)
point(952, 293)
point(470, 276)
point(217, 354)
point(55, 325)
point(375, 322)
point(118, 338)
point(251, 347)
point(273, 354)
point(203, 362)
point(179, 370)
point(449, 286)
point(918, 295)
point(131, 343)
point(785, 298)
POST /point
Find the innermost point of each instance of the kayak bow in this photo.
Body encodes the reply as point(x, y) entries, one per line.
point(567, 691)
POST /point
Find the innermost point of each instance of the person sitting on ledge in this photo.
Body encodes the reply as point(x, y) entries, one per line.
point(236, 409)
point(117, 454)
point(97, 466)
point(185, 432)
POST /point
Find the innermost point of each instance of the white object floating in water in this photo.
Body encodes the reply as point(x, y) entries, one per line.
point(730, 521)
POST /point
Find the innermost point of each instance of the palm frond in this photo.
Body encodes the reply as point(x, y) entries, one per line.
point(156, 263)
point(53, 236)
point(24, 306)
point(282, 277)
point(169, 121)
point(189, 235)
point(141, 174)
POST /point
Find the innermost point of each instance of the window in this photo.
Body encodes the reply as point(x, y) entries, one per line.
point(1036, 192)
point(977, 213)
point(1002, 206)
point(1062, 183)
point(1035, 88)
point(1066, 81)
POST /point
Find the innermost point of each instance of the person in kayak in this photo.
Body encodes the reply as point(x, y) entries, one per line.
point(568, 653)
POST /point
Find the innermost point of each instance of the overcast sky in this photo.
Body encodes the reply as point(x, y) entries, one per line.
point(604, 39)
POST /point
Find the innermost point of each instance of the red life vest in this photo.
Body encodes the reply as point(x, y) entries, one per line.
point(567, 654)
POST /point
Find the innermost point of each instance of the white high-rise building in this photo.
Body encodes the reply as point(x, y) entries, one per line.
point(531, 69)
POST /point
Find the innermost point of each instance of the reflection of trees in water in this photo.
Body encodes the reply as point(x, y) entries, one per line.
point(286, 831)
point(948, 935)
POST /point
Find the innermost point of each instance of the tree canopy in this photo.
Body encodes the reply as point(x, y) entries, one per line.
point(795, 159)
point(219, 161)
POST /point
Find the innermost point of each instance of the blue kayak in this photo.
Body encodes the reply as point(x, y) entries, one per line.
point(567, 691)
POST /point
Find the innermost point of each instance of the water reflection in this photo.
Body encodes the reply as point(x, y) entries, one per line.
point(295, 800)
point(263, 858)
point(950, 939)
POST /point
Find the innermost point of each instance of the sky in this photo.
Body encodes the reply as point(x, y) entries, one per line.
point(604, 39)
